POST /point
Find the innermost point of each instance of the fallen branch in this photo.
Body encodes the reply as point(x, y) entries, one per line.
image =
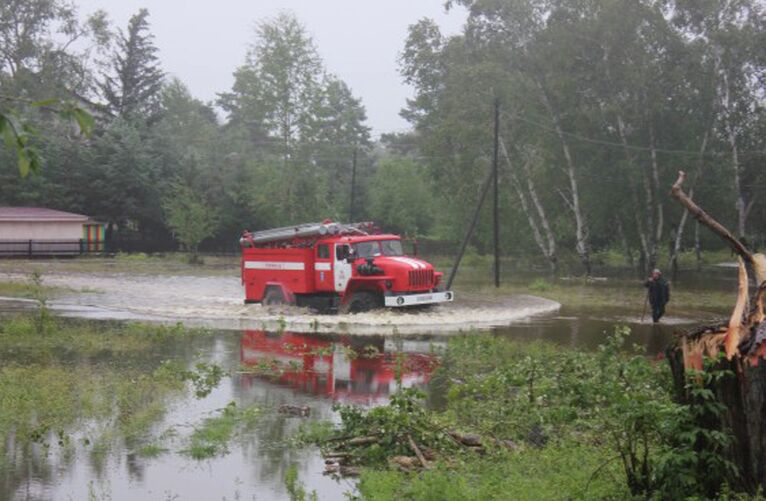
point(372, 439)
point(417, 452)
point(757, 261)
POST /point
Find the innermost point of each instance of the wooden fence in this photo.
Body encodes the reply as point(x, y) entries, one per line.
point(34, 248)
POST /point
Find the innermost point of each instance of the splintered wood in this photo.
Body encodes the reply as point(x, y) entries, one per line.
point(743, 339)
point(745, 333)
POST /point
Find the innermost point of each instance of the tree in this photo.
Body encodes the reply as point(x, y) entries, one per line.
point(298, 127)
point(132, 90)
point(401, 200)
point(190, 217)
point(279, 84)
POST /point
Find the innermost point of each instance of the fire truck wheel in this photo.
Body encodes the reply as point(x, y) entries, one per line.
point(273, 296)
point(364, 301)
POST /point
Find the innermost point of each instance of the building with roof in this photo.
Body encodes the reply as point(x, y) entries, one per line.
point(39, 231)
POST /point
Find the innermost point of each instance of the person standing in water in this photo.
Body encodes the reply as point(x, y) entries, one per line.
point(659, 294)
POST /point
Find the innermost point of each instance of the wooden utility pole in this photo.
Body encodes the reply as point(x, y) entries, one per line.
point(495, 206)
point(353, 188)
point(491, 177)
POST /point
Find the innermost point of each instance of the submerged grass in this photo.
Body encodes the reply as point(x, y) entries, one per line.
point(68, 340)
point(27, 290)
point(212, 437)
point(99, 381)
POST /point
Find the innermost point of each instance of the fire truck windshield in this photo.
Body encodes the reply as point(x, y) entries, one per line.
point(375, 248)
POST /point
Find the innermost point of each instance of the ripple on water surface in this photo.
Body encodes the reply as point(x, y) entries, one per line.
point(218, 302)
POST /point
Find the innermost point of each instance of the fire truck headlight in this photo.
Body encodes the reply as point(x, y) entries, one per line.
point(400, 300)
point(389, 284)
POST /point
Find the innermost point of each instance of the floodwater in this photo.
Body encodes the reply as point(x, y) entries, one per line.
point(321, 370)
point(217, 302)
point(353, 364)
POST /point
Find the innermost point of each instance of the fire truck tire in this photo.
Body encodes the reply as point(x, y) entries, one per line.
point(363, 301)
point(273, 296)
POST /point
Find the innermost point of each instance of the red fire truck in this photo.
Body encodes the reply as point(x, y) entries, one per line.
point(333, 266)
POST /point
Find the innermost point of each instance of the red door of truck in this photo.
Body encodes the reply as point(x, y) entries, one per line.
point(323, 276)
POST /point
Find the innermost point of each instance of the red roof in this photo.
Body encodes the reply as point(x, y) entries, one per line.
point(32, 214)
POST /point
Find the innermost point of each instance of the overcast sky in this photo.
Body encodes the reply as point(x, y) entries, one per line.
point(202, 42)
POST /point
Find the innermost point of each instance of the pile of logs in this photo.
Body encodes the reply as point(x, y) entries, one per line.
point(343, 458)
point(743, 342)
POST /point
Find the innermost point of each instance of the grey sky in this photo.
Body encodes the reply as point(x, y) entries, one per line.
point(359, 40)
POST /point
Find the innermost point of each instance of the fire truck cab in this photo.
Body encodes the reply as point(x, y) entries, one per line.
point(331, 266)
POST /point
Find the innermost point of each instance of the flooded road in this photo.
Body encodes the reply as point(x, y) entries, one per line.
point(217, 302)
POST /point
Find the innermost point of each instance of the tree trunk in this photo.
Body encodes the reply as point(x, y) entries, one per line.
point(673, 261)
point(548, 245)
point(731, 136)
point(697, 245)
point(645, 234)
point(625, 245)
point(660, 215)
point(743, 391)
point(581, 225)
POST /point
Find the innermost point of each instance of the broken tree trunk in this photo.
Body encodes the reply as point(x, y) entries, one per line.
point(743, 340)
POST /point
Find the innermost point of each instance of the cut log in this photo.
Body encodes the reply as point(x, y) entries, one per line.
point(406, 462)
point(468, 440)
point(364, 440)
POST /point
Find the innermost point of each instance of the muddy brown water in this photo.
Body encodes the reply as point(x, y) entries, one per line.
point(321, 373)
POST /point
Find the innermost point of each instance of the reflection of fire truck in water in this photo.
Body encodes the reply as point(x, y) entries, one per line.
point(330, 265)
point(345, 369)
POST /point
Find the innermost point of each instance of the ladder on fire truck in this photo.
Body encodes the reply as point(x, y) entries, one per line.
point(306, 230)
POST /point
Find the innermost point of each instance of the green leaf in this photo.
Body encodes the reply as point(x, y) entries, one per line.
point(84, 120)
point(46, 102)
point(25, 163)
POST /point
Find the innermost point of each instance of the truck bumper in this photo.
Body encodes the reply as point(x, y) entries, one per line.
point(399, 300)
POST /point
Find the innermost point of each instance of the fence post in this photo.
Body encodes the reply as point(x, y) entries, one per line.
point(30, 248)
point(81, 248)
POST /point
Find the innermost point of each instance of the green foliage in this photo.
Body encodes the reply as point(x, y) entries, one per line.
point(190, 218)
point(211, 438)
point(617, 401)
point(205, 377)
point(18, 134)
point(697, 462)
point(151, 451)
point(403, 418)
point(540, 285)
point(559, 471)
point(132, 89)
point(294, 487)
point(402, 199)
point(39, 294)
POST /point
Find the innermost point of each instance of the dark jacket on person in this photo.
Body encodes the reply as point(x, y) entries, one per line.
point(659, 292)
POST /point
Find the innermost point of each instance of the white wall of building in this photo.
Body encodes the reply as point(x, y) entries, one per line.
point(29, 230)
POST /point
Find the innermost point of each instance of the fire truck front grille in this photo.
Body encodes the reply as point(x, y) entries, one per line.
point(422, 278)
